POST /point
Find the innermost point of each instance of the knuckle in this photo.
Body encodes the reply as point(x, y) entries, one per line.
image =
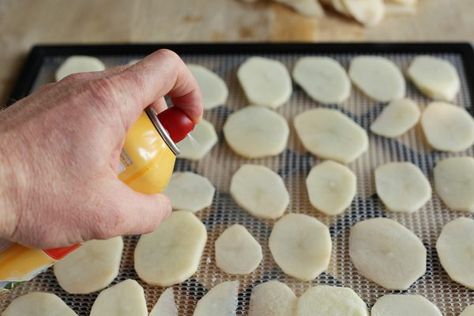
point(166, 53)
point(109, 224)
point(75, 77)
point(102, 90)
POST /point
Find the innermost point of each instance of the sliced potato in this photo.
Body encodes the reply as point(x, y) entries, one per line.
point(402, 186)
point(447, 127)
point(396, 118)
point(323, 79)
point(171, 254)
point(330, 134)
point(165, 306)
point(378, 78)
point(454, 182)
point(90, 268)
point(331, 187)
point(256, 132)
point(265, 81)
point(123, 299)
point(189, 191)
point(435, 77)
point(260, 191)
point(199, 142)
point(404, 305)
point(455, 248)
point(221, 300)
point(272, 298)
point(468, 311)
point(366, 12)
point(387, 253)
point(301, 246)
point(305, 7)
point(237, 251)
point(213, 89)
point(77, 64)
point(38, 304)
point(324, 300)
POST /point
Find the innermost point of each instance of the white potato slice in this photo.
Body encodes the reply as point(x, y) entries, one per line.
point(123, 299)
point(366, 12)
point(76, 64)
point(455, 248)
point(305, 7)
point(301, 246)
point(199, 142)
point(256, 132)
point(90, 268)
point(260, 191)
point(213, 89)
point(404, 2)
point(330, 134)
point(454, 182)
point(323, 79)
point(434, 77)
point(468, 311)
point(237, 251)
point(165, 306)
point(331, 187)
point(189, 191)
point(221, 300)
point(38, 304)
point(387, 253)
point(378, 77)
point(339, 6)
point(171, 254)
point(447, 127)
point(402, 186)
point(324, 300)
point(272, 298)
point(404, 305)
point(265, 81)
point(399, 9)
point(396, 118)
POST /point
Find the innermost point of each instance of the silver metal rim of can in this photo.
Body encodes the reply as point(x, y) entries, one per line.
point(152, 115)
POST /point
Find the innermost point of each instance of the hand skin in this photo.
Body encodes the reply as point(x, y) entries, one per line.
point(60, 148)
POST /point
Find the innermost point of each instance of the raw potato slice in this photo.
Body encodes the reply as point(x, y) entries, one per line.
point(305, 7)
point(379, 78)
point(301, 246)
point(468, 311)
point(166, 305)
point(396, 118)
point(221, 300)
point(256, 132)
point(171, 254)
point(272, 298)
point(330, 134)
point(123, 299)
point(213, 89)
point(189, 192)
point(454, 183)
point(455, 248)
point(76, 64)
point(259, 191)
point(237, 252)
point(402, 186)
point(323, 79)
point(387, 253)
point(90, 268)
point(448, 127)
point(265, 81)
point(199, 142)
point(38, 304)
point(366, 12)
point(331, 187)
point(324, 300)
point(404, 305)
point(434, 77)
point(399, 9)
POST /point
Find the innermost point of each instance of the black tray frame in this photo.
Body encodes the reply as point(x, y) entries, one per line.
point(38, 53)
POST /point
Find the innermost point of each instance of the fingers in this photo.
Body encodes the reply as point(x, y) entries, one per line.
point(159, 105)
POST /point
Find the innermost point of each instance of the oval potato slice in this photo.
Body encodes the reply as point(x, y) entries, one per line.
point(38, 304)
point(404, 305)
point(199, 142)
point(171, 254)
point(221, 300)
point(213, 89)
point(468, 311)
point(301, 246)
point(272, 298)
point(366, 12)
point(396, 118)
point(165, 306)
point(77, 64)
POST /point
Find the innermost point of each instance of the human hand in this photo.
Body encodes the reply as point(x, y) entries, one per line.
point(60, 149)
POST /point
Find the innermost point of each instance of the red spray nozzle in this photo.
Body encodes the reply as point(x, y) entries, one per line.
point(176, 122)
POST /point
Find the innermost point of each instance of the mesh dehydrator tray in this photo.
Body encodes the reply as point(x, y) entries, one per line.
point(293, 165)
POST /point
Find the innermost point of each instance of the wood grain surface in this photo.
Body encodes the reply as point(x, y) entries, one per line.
point(24, 23)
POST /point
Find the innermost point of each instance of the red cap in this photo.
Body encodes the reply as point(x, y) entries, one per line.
point(59, 253)
point(176, 122)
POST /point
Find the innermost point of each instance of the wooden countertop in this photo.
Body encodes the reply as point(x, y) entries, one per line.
point(24, 23)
